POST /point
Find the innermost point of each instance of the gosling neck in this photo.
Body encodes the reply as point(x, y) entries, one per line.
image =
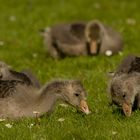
point(49, 95)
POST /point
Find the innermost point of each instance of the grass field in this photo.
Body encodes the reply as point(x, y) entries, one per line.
point(21, 47)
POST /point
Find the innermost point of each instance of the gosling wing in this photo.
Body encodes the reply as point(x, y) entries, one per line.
point(130, 64)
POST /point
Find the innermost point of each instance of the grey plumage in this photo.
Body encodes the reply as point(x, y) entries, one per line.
point(24, 100)
point(125, 85)
point(7, 87)
point(7, 73)
point(130, 64)
point(80, 38)
point(34, 80)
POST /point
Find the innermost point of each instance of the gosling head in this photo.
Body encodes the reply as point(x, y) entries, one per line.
point(71, 92)
point(92, 33)
point(76, 95)
point(123, 93)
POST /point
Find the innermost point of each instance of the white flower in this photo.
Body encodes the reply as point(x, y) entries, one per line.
point(63, 105)
point(120, 53)
point(131, 21)
point(108, 53)
point(34, 55)
point(1, 43)
point(8, 125)
point(1, 120)
point(61, 119)
point(12, 18)
point(114, 132)
point(31, 125)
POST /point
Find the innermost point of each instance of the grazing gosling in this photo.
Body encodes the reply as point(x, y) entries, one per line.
point(125, 85)
point(23, 100)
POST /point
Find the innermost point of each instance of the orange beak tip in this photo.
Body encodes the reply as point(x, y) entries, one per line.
point(84, 107)
point(86, 111)
point(127, 109)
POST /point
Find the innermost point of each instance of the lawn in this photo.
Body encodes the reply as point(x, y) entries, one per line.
point(21, 47)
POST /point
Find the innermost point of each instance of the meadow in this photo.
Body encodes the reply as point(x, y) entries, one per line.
point(21, 46)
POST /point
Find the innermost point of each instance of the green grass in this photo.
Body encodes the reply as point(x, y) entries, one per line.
point(23, 48)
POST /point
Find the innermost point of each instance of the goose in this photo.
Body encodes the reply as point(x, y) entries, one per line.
point(23, 100)
point(80, 38)
point(124, 86)
point(26, 76)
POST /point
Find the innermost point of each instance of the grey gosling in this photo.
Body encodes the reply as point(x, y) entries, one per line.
point(26, 76)
point(81, 38)
point(25, 101)
point(125, 85)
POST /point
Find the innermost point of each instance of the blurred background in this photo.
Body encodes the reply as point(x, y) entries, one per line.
point(21, 46)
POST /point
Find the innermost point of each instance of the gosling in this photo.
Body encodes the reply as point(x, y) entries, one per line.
point(81, 39)
point(22, 100)
point(125, 85)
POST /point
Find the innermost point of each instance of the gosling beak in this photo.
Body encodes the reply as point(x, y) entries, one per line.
point(93, 47)
point(127, 109)
point(84, 107)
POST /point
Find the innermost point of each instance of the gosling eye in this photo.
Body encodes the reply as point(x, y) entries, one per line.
point(124, 95)
point(76, 94)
